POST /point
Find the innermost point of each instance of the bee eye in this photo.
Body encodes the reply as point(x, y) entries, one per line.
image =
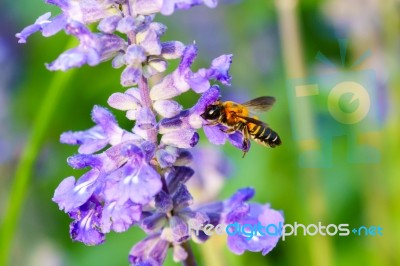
point(212, 112)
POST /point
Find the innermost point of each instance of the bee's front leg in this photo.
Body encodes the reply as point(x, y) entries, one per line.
point(228, 130)
point(214, 123)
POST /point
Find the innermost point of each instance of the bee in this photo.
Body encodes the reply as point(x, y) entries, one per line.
point(239, 117)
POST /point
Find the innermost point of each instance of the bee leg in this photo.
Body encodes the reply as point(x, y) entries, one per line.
point(229, 130)
point(246, 144)
point(246, 141)
point(212, 123)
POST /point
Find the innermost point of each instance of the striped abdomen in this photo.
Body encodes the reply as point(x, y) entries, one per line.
point(264, 135)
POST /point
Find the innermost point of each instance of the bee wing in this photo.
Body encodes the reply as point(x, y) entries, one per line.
point(253, 120)
point(260, 104)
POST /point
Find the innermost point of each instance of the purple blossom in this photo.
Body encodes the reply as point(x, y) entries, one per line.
point(256, 213)
point(128, 101)
point(70, 195)
point(96, 138)
point(139, 176)
point(186, 121)
point(93, 48)
point(119, 217)
point(43, 23)
point(136, 181)
point(86, 226)
point(239, 211)
point(182, 79)
point(121, 179)
point(150, 251)
point(173, 229)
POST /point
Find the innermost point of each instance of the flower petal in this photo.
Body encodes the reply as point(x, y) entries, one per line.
point(166, 157)
point(123, 101)
point(111, 45)
point(69, 195)
point(136, 181)
point(119, 218)
point(182, 198)
point(172, 49)
point(85, 160)
point(189, 55)
point(219, 69)
point(150, 251)
point(130, 76)
point(208, 97)
point(109, 24)
point(167, 108)
point(86, 226)
point(149, 39)
point(198, 81)
point(126, 24)
point(145, 119)
point(75, 57)
point(178, 175)
point(147, 7)
point(163, 202)
point(179, 253)
point(186, 138)
point(29, 30)
point(170, 86)
point(215, 135)
point(262, 241)
point(180, 230)
point(135, 55)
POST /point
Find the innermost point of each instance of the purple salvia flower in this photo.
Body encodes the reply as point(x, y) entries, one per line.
point(181, 138)
point(120, 217)
point(219, 69)
point(136, 181)
point(149, 38)
point(134, 57)
point(264, 215)
point(182, 79)
point(105, 132)
point(237, 210)
point(173, 228)
point(167, 108)
point(86, 227)
point(109, 24)
point(136, 177)
point(93, 48)
point(128, 101)
point(70, 195)
point(146, 7)
point(43, 23)
point(151, 251)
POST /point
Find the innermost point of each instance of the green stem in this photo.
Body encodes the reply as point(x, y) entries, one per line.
point(190, 260)
point(23, 174)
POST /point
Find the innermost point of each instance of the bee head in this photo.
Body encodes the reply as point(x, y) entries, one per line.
point(213, 112)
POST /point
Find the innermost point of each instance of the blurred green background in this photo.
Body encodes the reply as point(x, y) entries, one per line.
point(273, 43)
